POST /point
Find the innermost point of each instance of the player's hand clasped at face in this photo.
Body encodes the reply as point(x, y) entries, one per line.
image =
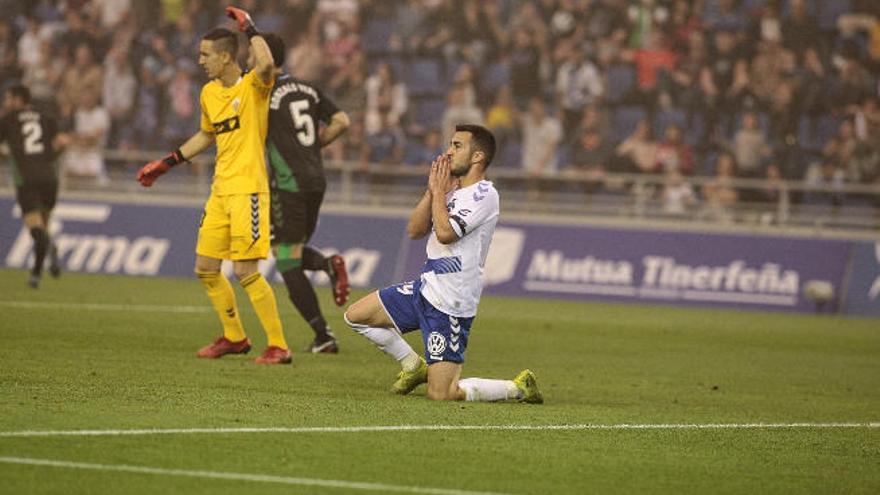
point(440, 180)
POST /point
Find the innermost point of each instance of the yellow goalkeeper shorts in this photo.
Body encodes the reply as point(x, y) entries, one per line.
point(235, 227)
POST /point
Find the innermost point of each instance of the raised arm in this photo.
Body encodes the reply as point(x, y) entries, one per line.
point(264, 65)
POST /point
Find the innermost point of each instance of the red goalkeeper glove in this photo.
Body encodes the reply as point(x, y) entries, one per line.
point(151, 171)
point(244, 21)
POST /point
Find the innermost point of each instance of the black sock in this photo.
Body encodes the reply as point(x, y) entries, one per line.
point(302, 295)
point(313, 260)
point(41, 246)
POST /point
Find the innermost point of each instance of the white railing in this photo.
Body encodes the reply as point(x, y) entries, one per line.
point(620, 198)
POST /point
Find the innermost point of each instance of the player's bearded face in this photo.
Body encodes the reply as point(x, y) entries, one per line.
point(461, 156)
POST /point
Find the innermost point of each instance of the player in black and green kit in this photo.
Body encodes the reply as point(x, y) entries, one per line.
point(301, 121)
point(33, 141)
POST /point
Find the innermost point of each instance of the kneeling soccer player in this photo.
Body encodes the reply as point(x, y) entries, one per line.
point(459, 210)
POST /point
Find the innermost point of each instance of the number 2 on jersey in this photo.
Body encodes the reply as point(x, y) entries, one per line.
point(32, 132)
point(303, 122)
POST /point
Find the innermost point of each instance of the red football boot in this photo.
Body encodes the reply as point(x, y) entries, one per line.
point(274, 355)
point(338, 279)
point(223, 346)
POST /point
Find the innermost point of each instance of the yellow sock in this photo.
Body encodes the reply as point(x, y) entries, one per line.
point(220, 293)
point(263, 301)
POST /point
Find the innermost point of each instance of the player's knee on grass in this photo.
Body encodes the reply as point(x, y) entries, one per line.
point(444, 391)
point(443, 381)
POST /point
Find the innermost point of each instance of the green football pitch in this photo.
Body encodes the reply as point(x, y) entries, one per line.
point(101, 392)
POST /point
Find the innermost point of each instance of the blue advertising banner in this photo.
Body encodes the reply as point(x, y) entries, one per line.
point(529, 260)
point(131, 239)
point(863, 290)
point(649, 266)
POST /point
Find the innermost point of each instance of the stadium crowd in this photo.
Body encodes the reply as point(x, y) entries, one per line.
point(775, 89)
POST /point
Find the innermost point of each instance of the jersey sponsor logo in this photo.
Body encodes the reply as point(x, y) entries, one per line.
point(436, 345)
point(228, 125)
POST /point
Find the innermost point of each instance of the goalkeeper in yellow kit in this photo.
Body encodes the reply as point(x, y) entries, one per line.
point(235, 223)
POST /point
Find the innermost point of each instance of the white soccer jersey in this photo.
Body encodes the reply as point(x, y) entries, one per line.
point(452, 276)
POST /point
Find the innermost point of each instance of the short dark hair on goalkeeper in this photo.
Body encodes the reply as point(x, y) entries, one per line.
point(21, 92)
point(481, 140)
point(276, 47)
point(224, 41)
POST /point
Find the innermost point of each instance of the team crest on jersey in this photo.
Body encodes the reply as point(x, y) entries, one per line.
point(436, 345)
point(235, 104)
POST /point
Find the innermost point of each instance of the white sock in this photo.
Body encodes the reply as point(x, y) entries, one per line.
point(484, 390)
point(386, 339)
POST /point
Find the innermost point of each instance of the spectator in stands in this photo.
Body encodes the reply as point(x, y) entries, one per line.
point(120, 90)
point(458, 111)
point(44, 78)
point(29, 43)
point(638, 152)
point(387, 99)
point(717, 81)
point(501, 120)
point(677, 196)
point(856, 83)
point(349, 86)
point(385, 146)
point(147, 107)
point(673, 153)
point(719, 194)
point(800, 30)
point(85, 156)
point(654, 61)
point(827, 178)
point(578, 84)
point(813, 86)
point(541, 137)
point(9, 68)
point(304, 58)
point(426, 150)
point(588, 160)
point(181, 112)
point(750, 146)
point(594, 117)
point(524, 59)
point(83, 76)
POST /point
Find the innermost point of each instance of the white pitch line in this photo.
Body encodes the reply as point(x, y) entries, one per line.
point(262, 478)
point(393, 428)
point(105, 307)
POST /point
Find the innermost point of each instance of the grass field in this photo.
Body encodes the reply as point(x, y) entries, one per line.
point(640, 398)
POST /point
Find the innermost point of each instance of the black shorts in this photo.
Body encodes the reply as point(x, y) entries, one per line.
point(37, 196)
point(295, 216)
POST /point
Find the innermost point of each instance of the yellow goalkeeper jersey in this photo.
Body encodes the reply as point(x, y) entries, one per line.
point(238, 118)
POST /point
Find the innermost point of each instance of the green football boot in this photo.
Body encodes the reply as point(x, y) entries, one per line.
point(407, 381)
point(527, 384)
